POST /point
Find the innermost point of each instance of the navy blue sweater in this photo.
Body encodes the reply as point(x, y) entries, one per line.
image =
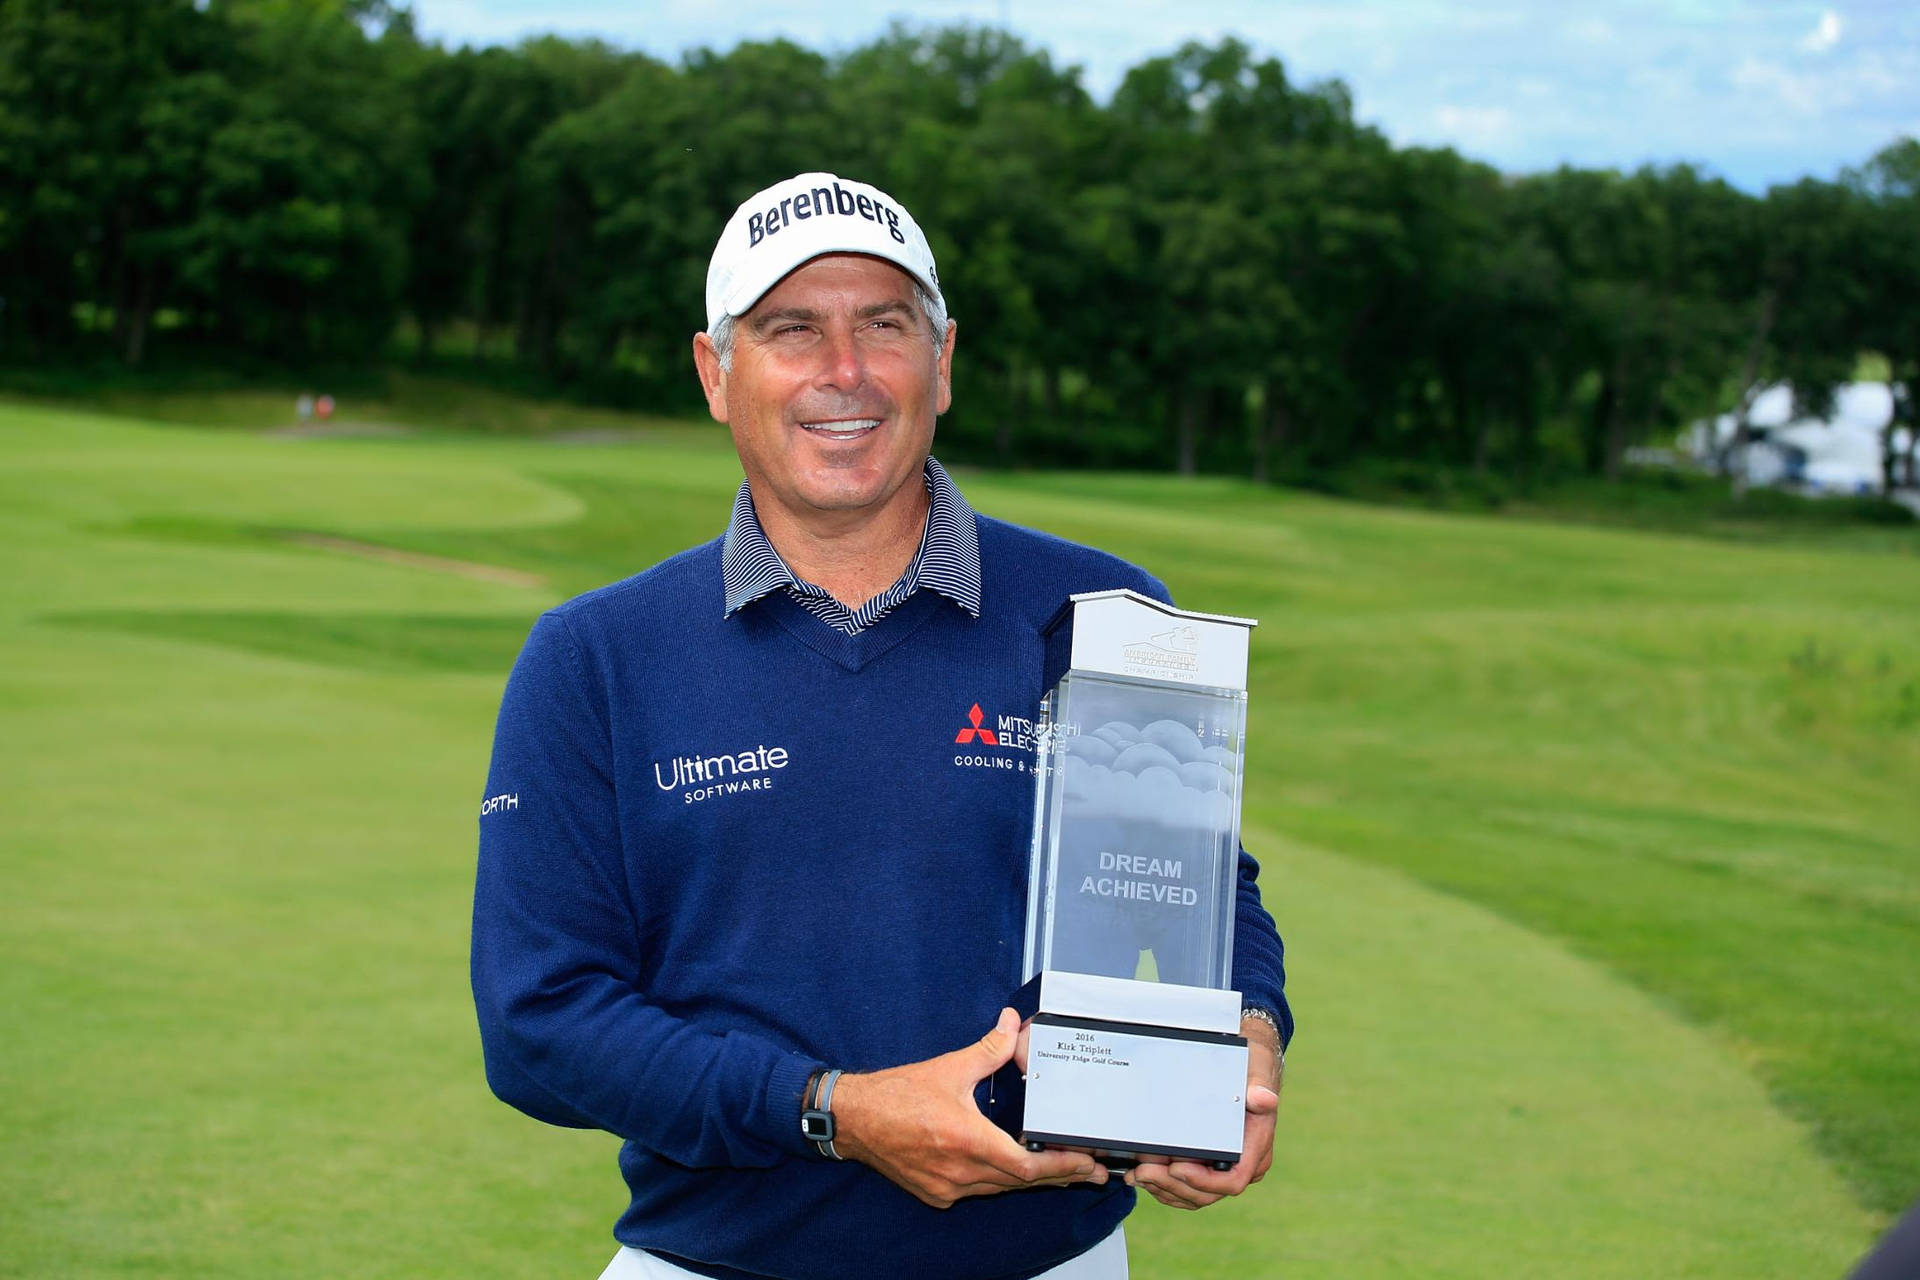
point(718, 853)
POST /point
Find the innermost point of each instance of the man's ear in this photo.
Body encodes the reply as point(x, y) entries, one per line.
point(943, 372)
point(713, 379)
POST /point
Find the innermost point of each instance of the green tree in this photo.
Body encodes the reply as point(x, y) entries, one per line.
point(1889, 255)
point(1488, 310)
point(104, 108)
point(1660, 295)
point(296, 244)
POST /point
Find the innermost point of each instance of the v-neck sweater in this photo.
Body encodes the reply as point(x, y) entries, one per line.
point(720, 852)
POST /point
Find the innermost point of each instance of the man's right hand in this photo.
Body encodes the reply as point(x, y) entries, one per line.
point(919, 1125)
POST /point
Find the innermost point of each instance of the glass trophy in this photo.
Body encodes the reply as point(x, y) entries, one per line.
point(1134, 1047)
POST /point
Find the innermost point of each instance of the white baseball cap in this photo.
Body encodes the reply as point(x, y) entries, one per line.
point(796, 221)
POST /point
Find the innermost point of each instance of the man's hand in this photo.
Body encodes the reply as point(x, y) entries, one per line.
point(919, 1125)
point(1189, 1184)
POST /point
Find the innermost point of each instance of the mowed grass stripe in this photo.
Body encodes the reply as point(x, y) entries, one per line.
point(422, 642)
point(239, 939)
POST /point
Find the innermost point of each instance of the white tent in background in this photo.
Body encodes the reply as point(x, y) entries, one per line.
point(1838, 454)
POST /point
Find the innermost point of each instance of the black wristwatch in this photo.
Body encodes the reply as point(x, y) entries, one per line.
point(816, 1113)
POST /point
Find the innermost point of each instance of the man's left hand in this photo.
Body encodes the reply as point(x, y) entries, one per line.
point(1189, 1184)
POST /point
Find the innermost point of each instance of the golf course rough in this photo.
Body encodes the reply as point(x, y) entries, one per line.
point(233, 961)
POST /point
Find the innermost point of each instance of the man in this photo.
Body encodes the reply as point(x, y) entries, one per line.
point(729, 849)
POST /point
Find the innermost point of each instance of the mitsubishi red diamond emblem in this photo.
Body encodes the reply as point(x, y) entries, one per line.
point(986, 736)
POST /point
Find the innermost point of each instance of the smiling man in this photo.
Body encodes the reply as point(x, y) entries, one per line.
point(753, 909)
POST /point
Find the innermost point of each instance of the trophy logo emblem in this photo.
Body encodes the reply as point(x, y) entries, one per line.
point(1178, 640)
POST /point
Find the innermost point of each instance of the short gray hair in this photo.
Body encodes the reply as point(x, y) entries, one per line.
point(935, 310)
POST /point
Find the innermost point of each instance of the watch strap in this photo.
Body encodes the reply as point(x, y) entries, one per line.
point(816, 1112)
point(825, 1105)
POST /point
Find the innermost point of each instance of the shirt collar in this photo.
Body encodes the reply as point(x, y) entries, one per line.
point(948, 561)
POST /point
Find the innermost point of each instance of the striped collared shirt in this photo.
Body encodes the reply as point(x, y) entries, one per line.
point(948, 561)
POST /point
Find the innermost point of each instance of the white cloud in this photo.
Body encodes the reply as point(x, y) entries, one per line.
point(1825, 35)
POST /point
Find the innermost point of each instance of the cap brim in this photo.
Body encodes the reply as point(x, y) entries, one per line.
point(744, 293)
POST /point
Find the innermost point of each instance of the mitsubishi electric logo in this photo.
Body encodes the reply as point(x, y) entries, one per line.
point(986, 736)
point(1012, 735)
point(700, 778)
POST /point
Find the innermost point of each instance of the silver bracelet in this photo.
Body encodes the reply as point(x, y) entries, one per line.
point(825, 1103)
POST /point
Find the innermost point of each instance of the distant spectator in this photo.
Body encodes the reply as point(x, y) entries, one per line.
point(324, 407)
point(303, 407)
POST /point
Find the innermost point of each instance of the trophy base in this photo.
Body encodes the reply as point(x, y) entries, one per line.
point(1127, 1091)
point(1119, 1164)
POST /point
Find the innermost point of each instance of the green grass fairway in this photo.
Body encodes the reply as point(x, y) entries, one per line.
point(1598, 856)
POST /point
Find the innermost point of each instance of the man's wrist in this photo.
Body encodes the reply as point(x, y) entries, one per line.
point(1258, 1014)
point(1256, 1022)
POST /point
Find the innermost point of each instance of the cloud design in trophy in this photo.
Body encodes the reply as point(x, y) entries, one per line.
point(1159, 773)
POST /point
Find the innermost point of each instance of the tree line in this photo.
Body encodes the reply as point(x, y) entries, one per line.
point(1218, 269)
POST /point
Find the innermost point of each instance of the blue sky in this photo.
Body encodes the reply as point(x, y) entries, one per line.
point(1759, 92)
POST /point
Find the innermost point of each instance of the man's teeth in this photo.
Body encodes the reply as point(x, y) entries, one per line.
point(846, 430)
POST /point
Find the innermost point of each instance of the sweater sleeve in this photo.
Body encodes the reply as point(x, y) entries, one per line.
point(567, 1031)
point(1259, 956)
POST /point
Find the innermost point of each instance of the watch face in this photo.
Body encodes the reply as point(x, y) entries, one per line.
point(817, 1126)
